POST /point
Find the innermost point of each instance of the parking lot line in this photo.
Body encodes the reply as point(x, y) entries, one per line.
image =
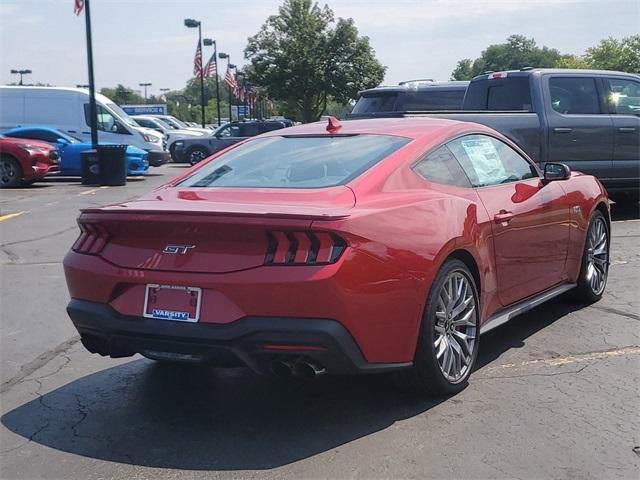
point(10, 215)
point(86, 192)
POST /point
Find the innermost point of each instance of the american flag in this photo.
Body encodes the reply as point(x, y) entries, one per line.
point(241, 94)
point(197, 61)
point(230, 80)
point(78, 5)
point(210, 67)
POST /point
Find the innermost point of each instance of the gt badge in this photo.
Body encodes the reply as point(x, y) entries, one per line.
point(177, 249)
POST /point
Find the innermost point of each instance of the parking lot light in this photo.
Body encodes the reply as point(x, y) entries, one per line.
point(208, 42)
point(145, 85)
point(191, 23)
point(21, 73)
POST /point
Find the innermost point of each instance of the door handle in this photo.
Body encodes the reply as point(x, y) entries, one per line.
point(71, 131)
point(562, 130)
point(626, 129)
point(503, 217)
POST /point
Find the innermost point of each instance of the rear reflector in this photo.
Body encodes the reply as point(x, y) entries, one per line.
point(92, 239)
point(304, 248)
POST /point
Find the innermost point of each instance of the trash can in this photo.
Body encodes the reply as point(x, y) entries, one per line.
point(90, 167)
point(113, 167)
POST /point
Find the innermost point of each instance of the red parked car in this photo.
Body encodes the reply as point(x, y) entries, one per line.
point(23, 162)
point(368, 246)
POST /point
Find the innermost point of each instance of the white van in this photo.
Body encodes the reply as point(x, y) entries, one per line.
point(67, 109)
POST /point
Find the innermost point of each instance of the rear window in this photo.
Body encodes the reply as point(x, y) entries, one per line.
point(376, 102)
point(296, 162)
point(431, 100)
point(510, 93)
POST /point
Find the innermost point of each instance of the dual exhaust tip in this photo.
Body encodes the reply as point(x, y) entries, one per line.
point(302, 367)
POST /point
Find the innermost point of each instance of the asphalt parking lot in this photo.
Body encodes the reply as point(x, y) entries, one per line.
point(555, 393)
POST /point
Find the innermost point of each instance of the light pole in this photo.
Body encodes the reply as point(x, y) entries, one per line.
point(21, 73)
point(229, 67)
point(145, 85)
point(208, 42)
point(191, 23)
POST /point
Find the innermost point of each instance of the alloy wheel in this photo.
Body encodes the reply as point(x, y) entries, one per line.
point(597, 256)
point(455, 327)
point(7, 172)
point(196, 156)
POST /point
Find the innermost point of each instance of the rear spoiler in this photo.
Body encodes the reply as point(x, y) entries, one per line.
point(115, 210)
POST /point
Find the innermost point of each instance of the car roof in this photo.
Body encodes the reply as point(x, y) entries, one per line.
point(526, 72)
point(410, 127)
point(419, 85)
point(34, 127)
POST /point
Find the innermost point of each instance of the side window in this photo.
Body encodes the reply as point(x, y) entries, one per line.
point(106, 122)
point(574, 95)
point(624, 96)
point(488, 161)
point(441, 166)
point(249, 130)
point(511, 93)
point(224, 131)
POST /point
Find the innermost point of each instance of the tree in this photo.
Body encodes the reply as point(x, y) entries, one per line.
point(611, 54)
point(303, 57)
point(517, 52)
point(572, 61)
point(463, 70)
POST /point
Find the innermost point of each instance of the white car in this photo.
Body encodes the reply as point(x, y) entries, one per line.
point(169, 133)
point(67, 109)
point(173, 122)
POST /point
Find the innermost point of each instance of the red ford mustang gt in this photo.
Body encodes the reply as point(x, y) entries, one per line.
point(367, 246)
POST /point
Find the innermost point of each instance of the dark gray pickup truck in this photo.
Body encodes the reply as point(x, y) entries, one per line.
point(588, 119)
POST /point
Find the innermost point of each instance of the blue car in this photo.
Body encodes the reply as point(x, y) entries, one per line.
point(70, 148)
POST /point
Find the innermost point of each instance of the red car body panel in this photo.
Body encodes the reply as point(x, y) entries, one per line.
point(398, 227)
point(33, 165)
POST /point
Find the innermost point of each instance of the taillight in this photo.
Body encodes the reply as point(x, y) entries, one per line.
point(304, 248)
point(92, 239)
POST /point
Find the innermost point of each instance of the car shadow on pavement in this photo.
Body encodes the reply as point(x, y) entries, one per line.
point(200, 418)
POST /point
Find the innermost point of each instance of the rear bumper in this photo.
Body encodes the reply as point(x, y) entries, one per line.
point(249, 341)
point(157, 158)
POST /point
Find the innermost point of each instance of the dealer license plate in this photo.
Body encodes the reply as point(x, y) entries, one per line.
point(172, 302)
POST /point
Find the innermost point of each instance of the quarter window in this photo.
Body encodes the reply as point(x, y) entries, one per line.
point(624, 96)
point(488, 161)
point(441, 166)
point(574, 95)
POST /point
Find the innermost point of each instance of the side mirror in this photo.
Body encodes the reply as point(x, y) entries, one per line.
point(556, 171)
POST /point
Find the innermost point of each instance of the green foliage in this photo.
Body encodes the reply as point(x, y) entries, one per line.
point(611, 54)
point(519, 51)
point(463, 70)
point(302, 57)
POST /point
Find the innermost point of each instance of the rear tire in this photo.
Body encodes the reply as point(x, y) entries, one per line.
point(10, 172)
point(196, 155)
point(595, 261)
point(449, 334)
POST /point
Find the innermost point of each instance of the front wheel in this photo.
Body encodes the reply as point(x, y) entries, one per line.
point(595, 261)
point(10, 172)
point(449, 334)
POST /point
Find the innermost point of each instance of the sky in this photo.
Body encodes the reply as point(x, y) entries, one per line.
point(145, 40)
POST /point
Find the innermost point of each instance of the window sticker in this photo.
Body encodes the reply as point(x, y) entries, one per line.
point(485, 160)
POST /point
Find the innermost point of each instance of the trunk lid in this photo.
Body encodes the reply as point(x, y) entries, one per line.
point(208, 230)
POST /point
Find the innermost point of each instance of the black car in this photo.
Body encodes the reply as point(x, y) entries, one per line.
point(411, 95)
point(193, 150)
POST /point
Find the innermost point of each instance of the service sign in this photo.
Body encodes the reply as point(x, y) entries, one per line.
point(158, 109)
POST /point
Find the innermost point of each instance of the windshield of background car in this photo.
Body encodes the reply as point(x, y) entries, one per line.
point(296, 162)
point(124, 116)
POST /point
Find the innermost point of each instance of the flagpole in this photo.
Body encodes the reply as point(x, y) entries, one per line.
point(92, 87)
point(215, 61)
point(201, 72)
